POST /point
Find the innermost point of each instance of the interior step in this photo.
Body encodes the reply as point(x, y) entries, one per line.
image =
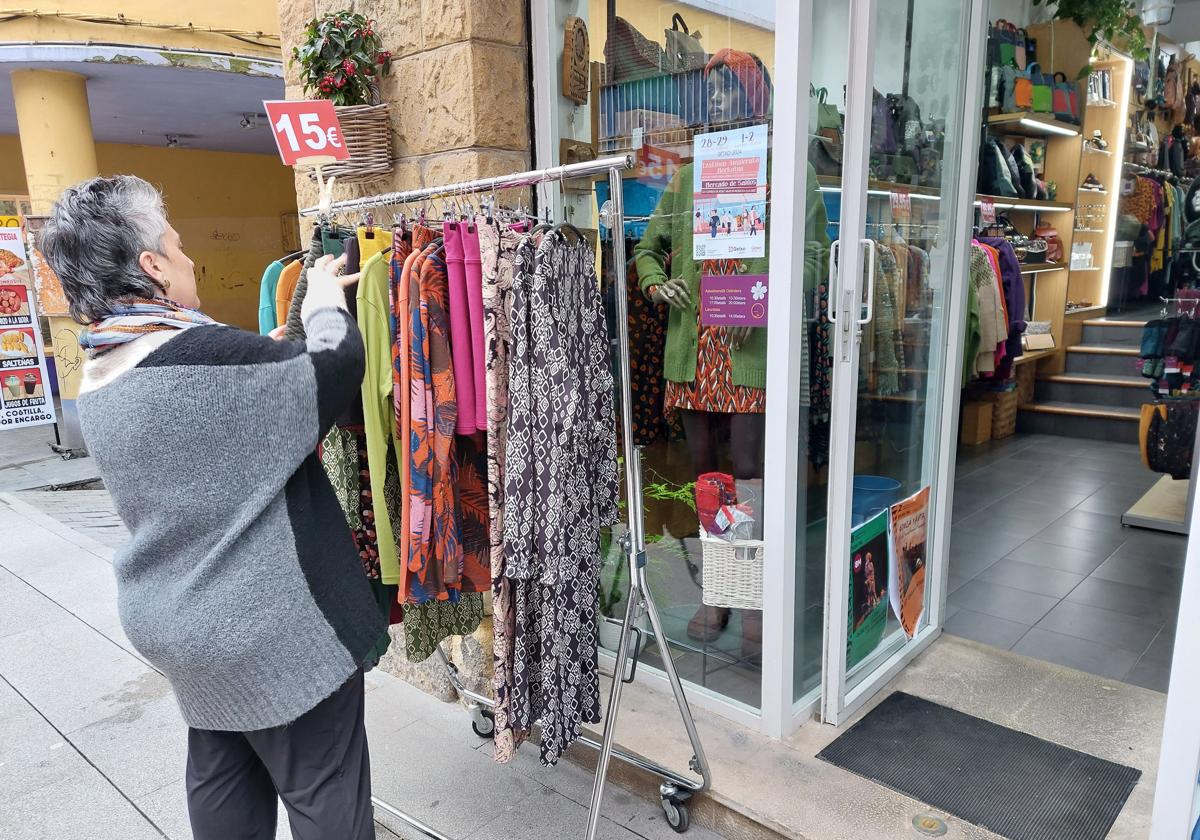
point(1077, 419)
point(1107, 359)
point(1094, 389)
point(1098, 331)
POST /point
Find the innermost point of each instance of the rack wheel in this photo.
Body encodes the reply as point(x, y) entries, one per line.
point(483, 723)
point(676, 811)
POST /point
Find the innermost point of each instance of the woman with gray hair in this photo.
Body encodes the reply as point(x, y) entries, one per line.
point(241, 582)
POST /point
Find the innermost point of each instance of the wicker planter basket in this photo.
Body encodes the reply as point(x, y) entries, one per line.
point(368, 135)
point(733, 572)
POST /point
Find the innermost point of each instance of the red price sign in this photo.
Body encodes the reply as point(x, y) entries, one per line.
point(987, 211)
point(307, 131)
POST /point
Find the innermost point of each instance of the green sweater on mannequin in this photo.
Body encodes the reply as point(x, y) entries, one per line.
point(670, 233)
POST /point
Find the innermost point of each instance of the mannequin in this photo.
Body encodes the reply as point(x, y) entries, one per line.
point(715, 376)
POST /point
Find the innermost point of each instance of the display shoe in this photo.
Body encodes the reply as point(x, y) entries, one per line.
point(1091, 182)
point(752, 624)
point(1098, 142)
point(708, 623)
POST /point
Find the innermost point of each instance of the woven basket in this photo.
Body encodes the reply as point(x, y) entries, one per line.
point(733, 572)
point(1004, 412)
point(368, 135)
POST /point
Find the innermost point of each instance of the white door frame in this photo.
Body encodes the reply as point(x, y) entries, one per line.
point(785, 339)
point(838, 704)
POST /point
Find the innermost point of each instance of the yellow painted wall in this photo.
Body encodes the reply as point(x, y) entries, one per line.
point(652, 17)
point(246, 15)
point(226, 206)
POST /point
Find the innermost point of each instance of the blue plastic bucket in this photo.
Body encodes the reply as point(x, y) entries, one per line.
point(872, 493)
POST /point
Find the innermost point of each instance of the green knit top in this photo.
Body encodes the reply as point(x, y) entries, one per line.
point(669, 232)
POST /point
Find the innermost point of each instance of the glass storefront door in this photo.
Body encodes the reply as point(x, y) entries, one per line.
point(896, 196)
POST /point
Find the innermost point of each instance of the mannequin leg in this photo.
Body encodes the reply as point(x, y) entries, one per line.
point(700, 431)
point(703, 442)
point(747, 435)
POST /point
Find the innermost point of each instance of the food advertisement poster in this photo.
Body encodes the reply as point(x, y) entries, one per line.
point(729, 184)
point(909, 543)
point(25, 395)
point(868, 588)
point(51, 300)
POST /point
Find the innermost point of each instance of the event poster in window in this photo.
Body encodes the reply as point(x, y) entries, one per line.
point(729, 183)
point(868, 588)
point(909, 534)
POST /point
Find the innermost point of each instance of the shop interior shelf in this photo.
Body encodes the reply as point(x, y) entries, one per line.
point(1001, 202)
point(1092, 150)
point(1032, 124)
point(1087, 268)
point(1101, 103)
point(1041, 268)
point(1089, 230)
point(1079, 310)
point(1034, 355)
point(833, 183)
point(1092, 191)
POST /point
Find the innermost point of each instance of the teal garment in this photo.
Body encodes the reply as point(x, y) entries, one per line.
point(266, 297)
point(331, 243)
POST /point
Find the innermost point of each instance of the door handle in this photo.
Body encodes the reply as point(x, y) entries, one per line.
point(870, 243)
point(831, 279)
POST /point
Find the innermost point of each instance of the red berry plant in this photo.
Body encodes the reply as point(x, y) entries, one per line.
point(341, 57)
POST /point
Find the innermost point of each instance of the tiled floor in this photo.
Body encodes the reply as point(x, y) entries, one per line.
point(1040, 563)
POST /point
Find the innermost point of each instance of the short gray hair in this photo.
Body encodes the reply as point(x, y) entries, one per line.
point(95, 234)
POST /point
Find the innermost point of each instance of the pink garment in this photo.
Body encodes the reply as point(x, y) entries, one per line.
point(474, 266)
point(460, 329)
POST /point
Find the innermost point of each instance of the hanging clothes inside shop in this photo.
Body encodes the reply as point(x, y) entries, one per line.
point(1157, 204)
point(995, 311)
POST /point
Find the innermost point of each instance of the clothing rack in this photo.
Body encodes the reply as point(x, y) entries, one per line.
point(1162, 174)
point(1157, 495)
point(675, 789)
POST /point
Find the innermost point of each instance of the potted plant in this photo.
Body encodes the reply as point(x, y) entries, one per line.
point(342, 59)
point(1114, 21)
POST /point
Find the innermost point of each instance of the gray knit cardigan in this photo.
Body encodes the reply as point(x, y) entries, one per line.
point(241, 582)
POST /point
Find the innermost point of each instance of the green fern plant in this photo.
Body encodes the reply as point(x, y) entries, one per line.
point(1114, 21)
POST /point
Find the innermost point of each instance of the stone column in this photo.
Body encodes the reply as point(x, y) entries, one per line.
point(459, 96)
point(55, 128)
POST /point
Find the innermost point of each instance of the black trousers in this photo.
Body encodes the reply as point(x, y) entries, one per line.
point(318, 765)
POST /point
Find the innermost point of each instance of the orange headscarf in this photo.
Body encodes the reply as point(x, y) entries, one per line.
point(750, 75)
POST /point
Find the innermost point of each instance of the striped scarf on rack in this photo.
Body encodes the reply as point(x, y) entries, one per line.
point(135, 317)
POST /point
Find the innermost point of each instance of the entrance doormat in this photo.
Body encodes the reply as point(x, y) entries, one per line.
point(1006, 781)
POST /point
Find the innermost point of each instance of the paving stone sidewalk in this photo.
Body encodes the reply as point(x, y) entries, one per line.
point(92, 746)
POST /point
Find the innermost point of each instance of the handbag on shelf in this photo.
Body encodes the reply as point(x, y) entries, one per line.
point(630, 55)
point(1023, 90)
point(1042, 89)
point(1047, 233)
point(1064, 109)
point(822, 114)
point(1037, 336)
point(1006, 39)
point(684, 51)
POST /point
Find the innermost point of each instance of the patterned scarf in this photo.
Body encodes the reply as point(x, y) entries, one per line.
point(136, 317)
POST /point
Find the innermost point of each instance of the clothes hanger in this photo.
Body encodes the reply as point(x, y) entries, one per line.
point(565, 226)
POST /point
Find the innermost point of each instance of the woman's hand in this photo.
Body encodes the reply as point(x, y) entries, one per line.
point(279, 332)
point(673, 292)
point(326, 285)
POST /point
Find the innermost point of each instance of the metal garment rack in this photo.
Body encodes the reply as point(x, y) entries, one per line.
point(676, 789)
